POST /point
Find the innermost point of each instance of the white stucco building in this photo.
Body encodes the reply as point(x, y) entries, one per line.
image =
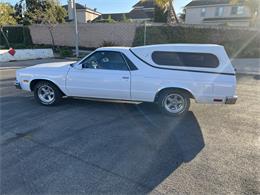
point(218, 12)
point(84, 14)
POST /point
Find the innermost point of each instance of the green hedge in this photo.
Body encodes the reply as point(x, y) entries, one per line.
point(238, 43)
point(18, 37)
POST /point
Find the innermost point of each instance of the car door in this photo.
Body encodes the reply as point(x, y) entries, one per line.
point(104, 74)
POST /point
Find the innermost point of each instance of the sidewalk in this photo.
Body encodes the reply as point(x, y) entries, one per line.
point(26, 63)
point(247, 66)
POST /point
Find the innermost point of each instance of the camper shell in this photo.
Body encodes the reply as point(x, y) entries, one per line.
point(215, 54)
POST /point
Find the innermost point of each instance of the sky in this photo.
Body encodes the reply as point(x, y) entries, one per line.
point(112, 6)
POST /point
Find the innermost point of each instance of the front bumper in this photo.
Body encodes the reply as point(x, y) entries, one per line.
point(17, 85)
point(231, 100)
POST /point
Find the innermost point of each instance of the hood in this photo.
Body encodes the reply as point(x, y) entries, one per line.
point(52, 65)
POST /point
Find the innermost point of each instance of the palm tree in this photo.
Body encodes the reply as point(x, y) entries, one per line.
point(167, 5)
point(254, 6)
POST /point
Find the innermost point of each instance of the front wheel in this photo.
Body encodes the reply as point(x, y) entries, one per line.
point(47, 93)
point(174, 102)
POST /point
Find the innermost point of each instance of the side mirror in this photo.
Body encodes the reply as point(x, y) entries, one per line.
point(78, 66)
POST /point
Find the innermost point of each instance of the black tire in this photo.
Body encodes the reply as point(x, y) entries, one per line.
point(55, 93)
point(181, 110)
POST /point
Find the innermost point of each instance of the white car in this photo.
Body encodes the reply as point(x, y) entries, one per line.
point(168, 75)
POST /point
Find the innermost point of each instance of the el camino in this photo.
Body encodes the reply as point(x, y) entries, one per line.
point(168, 75)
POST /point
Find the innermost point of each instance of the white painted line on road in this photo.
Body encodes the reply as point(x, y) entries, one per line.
point(9, 68)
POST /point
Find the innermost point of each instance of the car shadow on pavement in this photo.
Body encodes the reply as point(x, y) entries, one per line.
point(128, 148)
point(141, 143)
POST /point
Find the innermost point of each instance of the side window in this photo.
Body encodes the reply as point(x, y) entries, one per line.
point(219, 11)
point(106, 60)
point(238, 10)
point(203, 12)
point(201, 60)
point(234, 11)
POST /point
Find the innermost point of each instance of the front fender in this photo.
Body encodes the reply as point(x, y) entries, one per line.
point(34, 81)
point(27, 80)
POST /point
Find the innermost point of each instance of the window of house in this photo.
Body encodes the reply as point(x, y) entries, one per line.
point(237, 10)
point(203, 12)
point(108, 60)
point(240, 10)
point(187, 59)
point(219, 11)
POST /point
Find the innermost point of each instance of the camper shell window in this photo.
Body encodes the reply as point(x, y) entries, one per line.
point(201, 60)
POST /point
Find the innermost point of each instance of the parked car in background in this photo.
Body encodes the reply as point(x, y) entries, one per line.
point(168, 75)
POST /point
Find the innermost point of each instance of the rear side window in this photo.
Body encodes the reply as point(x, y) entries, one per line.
point(201, 60)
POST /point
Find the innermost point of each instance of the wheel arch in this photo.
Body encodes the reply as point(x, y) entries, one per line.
point(35, 81)
point(173, 88)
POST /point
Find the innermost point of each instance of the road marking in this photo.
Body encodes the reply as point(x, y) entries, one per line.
point(10, 68)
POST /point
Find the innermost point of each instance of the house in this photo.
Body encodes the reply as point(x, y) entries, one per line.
point(142, 11)
point(84, 14)
point(218, 12)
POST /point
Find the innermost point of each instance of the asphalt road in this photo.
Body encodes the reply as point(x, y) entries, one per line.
point(85, 147)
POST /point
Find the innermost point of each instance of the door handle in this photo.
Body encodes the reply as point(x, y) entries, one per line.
point(125, 77)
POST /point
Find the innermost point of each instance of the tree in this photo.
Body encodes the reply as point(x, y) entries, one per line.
point(125, 19)
point(51, 13)
point(40, 11)
point(18, 14)
point(160, 15)
point(110, 19)
point(167, 5)
point(182, 16)
point(24, 9)
point(6, 18)
point(6, 15)
point(47, 12)
point(254, 6)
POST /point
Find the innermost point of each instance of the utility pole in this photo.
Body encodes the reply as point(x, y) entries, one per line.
point(146, 24)
point(145, 29)
point(76, 29)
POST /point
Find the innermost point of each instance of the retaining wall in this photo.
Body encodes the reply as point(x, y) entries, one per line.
point(25, 54)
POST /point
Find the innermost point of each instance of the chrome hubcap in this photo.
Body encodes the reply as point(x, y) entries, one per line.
point(46, 94)
point(174, 103)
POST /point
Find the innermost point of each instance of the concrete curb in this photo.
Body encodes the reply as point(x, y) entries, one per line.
point(26, 54)
point(247, 66)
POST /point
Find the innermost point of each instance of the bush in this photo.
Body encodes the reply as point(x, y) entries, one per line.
point(17, 35)
point(108, 44)
point(105, 21)
point(65, 52)
point(238, 43)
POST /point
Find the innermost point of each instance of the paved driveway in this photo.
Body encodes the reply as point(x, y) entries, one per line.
point(247, 66)
point(90, 147)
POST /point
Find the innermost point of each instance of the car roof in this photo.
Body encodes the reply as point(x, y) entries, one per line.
point(180, 46)
point(112, 48)
point(142, 51)
point(164, 46)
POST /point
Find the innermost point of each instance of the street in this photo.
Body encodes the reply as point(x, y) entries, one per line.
point(87, 147)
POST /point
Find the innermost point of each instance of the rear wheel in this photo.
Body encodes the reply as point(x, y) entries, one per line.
point(47, 93)
point(174, 102)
